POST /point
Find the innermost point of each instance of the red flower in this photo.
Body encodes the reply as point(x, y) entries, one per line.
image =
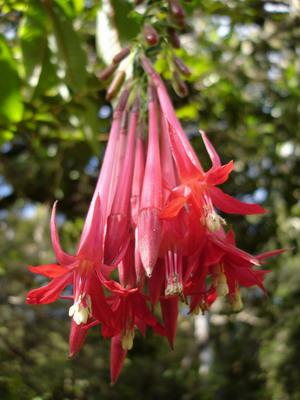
point(88, 294)
point(199, 188)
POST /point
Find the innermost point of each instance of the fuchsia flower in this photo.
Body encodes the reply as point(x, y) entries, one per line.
point(88, 295)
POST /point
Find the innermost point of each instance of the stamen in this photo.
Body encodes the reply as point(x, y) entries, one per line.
point(173, 269)
point(235, 300)
point(82, 309)
point(127, 335)
point(219, 280)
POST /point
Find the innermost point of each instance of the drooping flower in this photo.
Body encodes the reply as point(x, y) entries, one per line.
point(88, 295)
point(200, 189)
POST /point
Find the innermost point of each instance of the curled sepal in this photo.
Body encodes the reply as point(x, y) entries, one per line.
point(213, 155)
point(230, 205)
point(62, 257)
point(49, 293)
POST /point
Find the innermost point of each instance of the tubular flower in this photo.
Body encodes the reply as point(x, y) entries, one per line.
point(199, 188)
point(88, 295)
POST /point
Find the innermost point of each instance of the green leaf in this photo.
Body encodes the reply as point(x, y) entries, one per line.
point(127, 27)
point(69, 46)
point(33, 35)
point(11, 106)
point(90, 122)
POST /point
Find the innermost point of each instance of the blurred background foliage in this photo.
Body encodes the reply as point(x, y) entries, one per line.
point(54, 120)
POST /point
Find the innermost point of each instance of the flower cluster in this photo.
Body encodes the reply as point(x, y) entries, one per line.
point(153, 220)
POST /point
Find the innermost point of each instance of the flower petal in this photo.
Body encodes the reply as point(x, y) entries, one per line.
point(49, 270)
point(49, 293)
point(90, 246)
point(183, 156)
point(117, 358)
point(62, 257)
point(230, 205)
point(271, 253)
point(213, 155)
point(219, 175)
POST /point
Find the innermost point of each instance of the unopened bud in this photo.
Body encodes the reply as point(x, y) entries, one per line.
point(148, 67)
point(174, 38)
point(181, 66)
point(178, 85)
point(176, 9)
point(122, 100)
point(151, 35)
point(107, 72)
point(115, 85)
point(121, 55)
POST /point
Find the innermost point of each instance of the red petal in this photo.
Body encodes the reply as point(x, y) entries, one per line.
point(211, 151)
point(183, 157)
point(156, 282)
point(62, 257)
point(118, 356)
point(219, 175)
point(100, 309)
point(230, 205)
point(49, 293)
point(49, 270)
point(90, 245)
point(271, 253)
point(169, 308)
point(77, 337)
point(230, 237)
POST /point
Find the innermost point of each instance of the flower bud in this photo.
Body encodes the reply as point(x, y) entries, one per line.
point(121, 55)
point(151, 35)
point(107, 72)
point(176, 9)
point(174, 37)
point(181, 66)
point(178, 85)
point(115, 85)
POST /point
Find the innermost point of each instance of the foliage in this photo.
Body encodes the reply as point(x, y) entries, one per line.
point(244, 91)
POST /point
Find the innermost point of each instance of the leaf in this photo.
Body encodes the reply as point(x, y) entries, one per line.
point(69, 46)
point(90, 123)
point(127, 27)
point(33, 35)
point(11, 106)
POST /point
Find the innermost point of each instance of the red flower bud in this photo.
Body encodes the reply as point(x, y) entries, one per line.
point(151, 35)
point(107, 72)
point(115, 85)
point(181, 66)
point(176, 9)
point(121, 55)
point(174, 37)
